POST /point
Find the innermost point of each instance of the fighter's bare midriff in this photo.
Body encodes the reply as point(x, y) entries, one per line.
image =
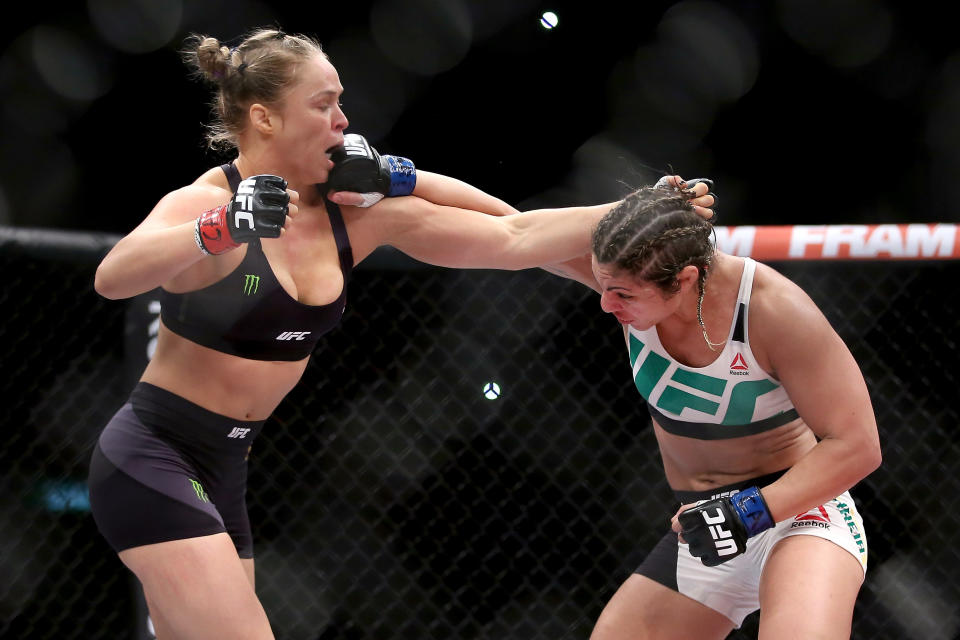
point(236, 387)
point(700, 465)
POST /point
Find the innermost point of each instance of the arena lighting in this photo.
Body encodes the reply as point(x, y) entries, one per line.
point(64, 495)
point(491, 391)
point(549, 20)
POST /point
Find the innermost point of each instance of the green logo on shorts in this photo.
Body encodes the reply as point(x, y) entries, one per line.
point(852, 525)
point(200, 492)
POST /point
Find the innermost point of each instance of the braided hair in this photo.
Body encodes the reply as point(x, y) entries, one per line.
point(652, 235)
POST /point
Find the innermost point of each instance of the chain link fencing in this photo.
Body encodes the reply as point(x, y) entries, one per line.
point(392, 499)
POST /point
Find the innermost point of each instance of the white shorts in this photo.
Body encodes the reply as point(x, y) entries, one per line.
point(733, 588)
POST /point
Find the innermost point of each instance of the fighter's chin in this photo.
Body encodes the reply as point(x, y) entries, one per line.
point(323, 168)
point(636, 324)
point(321, 176)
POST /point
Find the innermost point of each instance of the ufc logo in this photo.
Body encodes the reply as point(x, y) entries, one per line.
point(238, 432)
point(247, 186)
point(354, 146)
point(244, 200)
point(293, 335)
point(722, 538)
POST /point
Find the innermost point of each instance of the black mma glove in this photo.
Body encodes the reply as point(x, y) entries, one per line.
point(359, 168)
point(257, 210)
point(663, 184)
point(717, 530)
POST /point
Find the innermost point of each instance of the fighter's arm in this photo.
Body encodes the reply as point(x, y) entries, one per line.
point(581, 269)
point(361, 177)
point(450, 192)
point(462, 238)
point(188, 225)
point(160, 247)
point(826, 387)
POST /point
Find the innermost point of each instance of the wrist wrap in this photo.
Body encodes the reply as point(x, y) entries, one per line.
point(750, 506)
point(211, 232)
point(403, 176)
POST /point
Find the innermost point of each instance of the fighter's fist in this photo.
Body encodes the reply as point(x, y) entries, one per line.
point(702, 197)
point(257, 210)
point(359, 168)
point(717, 530)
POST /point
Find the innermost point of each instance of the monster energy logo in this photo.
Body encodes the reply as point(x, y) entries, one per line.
point(250, 284)
point(200, 492)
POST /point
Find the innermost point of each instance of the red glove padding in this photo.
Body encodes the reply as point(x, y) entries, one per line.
point(257, 210)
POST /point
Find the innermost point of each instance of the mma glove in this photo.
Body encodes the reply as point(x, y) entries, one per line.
point(717, 530)
point(257, 210)
point(360, 169)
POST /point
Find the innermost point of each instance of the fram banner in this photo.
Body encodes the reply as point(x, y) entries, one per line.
point(937, 241)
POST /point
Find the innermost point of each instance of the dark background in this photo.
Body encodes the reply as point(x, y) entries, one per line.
point(389, 498)
point(803, 112)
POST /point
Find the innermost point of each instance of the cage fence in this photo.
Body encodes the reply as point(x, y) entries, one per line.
point(395, 495)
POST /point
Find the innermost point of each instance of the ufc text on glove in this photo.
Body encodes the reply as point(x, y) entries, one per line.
point(360, 169)
point(717, 530)
point(257, 210)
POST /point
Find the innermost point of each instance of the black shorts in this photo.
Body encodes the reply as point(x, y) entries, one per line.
point(167, 469)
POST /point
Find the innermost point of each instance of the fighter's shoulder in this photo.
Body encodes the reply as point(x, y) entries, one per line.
point(210, 184)
point(190, 200)
point(779, 305)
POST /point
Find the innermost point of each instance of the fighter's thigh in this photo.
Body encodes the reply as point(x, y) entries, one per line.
point(808, 590)
point(199, 588)
point(248, 569)
point(644, 609)
point(161, 629)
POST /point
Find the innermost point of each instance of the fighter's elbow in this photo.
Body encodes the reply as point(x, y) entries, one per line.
point(867, 456)
point(103, 285)
point(108, 285)
point(874, 457)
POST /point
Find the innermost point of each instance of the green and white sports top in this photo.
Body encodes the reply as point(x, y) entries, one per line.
point(729, 398)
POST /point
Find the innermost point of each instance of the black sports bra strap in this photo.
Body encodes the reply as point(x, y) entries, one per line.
point(341, 238)
point(233, 175)
point(333, 212)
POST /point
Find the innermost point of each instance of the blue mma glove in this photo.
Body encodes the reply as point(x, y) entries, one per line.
point(717, 530)
point(360, 169)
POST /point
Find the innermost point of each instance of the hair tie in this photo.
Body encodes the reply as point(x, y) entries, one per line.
point(243, 65)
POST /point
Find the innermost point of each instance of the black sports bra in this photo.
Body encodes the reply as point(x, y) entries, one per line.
point(248, 313)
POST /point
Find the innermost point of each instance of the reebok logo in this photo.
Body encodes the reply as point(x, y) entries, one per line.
point(739, 366)
point(238, 433)
point(293, 335)
point(814, 518)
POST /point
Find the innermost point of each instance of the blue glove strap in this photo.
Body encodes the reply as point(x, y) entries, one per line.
point(752, 509)
point(403, 176)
